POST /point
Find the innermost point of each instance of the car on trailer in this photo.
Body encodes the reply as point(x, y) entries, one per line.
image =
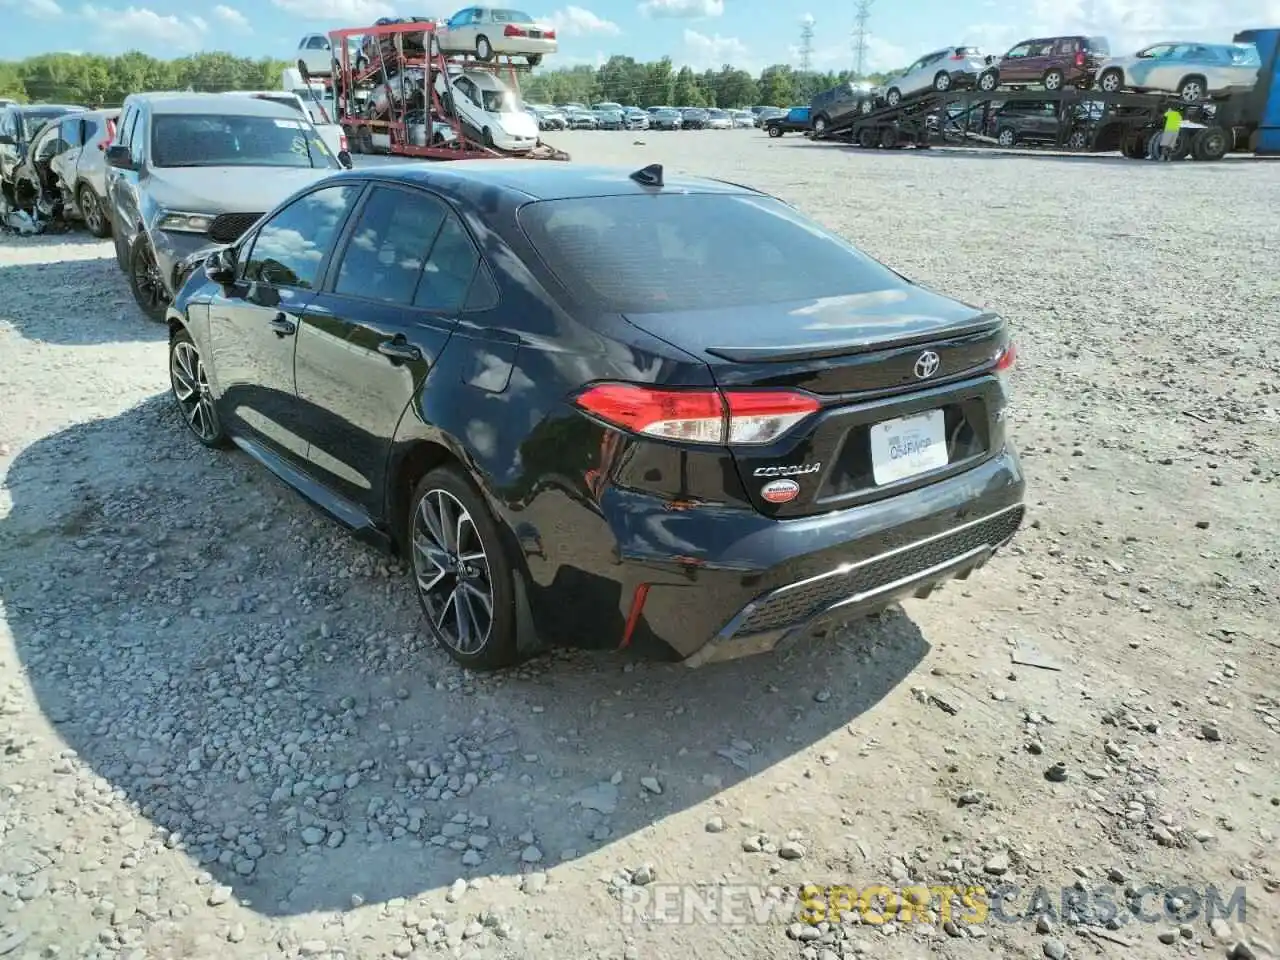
point(1053, 62)
point(795, 120)
point(1191, 70)
point(486, 32)
point(951, 68)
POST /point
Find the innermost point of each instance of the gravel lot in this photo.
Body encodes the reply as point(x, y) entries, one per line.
point(224, 735)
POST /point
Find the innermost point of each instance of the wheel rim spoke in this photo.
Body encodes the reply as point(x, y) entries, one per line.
point(451, 572)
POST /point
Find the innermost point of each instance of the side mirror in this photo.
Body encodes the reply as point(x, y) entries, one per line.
point(118, 156)
point(7, 140)
point(220, 267)
point(344, 158)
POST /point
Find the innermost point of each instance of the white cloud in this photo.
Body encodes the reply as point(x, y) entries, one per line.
point(342, 11)
point(43, 9)
point(577, 22)
point(201, 23)
point(1127, 24)
point(704, 52)
point(881, 55)
point(683, 9)
point(141, 25)
point(230, 16)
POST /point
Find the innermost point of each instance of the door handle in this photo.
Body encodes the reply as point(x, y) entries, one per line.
point(283, 326)
point(399, 349)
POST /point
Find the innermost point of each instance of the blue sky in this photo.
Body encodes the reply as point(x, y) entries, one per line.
point(701, 33)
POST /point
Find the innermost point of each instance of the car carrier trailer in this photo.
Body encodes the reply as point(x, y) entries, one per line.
point(383, 84)
point(1088, 120)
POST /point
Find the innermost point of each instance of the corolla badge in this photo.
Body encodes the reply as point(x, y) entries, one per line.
point(780, 491)
point(793, 470)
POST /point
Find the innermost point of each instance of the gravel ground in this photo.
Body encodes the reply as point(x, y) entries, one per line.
point(224, 735)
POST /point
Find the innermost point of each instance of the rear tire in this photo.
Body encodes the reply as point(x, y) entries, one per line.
point(1192, 89)
point(533, 59)
point(1052, 79)
point(1111, 81)
point(95, 218)
point(484, 49)
point(1210, 144)
point(988, 80)
point(1007, 137)
point(867, 138)
point(888, 138)
point(819, 125)
point(490, 643)
point(893, 97)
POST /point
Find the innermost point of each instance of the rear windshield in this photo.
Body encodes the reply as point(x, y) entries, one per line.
point(968, 51)
point(674, 252)
point(1244, 55)
point(511, 16)
point(1097, 45)
point(35, 120)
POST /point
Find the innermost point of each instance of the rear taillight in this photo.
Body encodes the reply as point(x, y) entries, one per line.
point(1006, 358)
point(511, 31)
point(698, 416)
point(342, 142)
point(1080, 59)
point(958, 56)
point(548, 34)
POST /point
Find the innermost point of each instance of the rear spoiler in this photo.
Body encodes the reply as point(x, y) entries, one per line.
point(983, 323)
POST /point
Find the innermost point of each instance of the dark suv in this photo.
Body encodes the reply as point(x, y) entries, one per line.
point(1054, 62)
point(842, 102)
point(1039, 121)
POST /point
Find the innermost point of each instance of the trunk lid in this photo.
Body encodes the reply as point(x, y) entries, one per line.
point(870, 358)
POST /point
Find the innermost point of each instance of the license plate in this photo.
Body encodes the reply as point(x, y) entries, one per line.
point(908, 446)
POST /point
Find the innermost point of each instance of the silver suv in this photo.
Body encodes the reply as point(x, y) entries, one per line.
point(190, 171)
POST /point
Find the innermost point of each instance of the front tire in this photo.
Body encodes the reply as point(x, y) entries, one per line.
point(820, 125)
point(988, 81)
point(1007, 137)
point(942, 82)
point(774, 131)
point(893, 97)
point(1192, 90)
point(95, 219)
point(189, 385)
point(463, 577)
point(533, 59)
point(1111, 81)
point(484, 49)
point(145, 282)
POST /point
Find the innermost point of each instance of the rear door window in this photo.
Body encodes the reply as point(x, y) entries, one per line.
point(643, 254)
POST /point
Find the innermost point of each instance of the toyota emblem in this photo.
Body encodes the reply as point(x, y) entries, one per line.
point(927, 365)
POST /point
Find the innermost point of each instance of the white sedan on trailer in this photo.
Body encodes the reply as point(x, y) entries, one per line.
point(493, 109)
point(489, 31)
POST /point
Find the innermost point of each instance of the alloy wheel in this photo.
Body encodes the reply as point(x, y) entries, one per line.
point(1192, 92)
point(191, 390)
point(147, 282)
point(91, 210)
point(451, 569)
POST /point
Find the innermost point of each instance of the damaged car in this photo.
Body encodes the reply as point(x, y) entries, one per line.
point(190, 171)
point(20, 124)
point(64, 173)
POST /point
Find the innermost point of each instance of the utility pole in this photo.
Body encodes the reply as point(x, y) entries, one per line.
point(861, 16)
point(806, 43)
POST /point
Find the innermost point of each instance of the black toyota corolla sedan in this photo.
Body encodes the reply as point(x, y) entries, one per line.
point(595, 405)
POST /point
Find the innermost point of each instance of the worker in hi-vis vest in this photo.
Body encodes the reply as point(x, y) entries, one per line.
point(1169, 138)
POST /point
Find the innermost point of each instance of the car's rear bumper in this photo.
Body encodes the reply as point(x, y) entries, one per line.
point(744, 584)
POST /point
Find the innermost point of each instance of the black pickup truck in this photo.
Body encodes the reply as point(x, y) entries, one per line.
point(795, 121)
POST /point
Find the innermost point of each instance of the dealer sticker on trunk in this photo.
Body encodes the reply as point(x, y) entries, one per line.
point(908, 446)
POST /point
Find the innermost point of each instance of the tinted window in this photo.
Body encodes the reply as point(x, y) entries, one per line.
point(383, 260)
point(511, 16)
point(72, 132)
point(646, 254)
point(290, 247)
point(449, 269)
point(317, 43)
point(1020, 50)
point(206, 140)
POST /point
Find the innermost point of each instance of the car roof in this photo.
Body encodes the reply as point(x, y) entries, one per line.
point(526, 180)
point(216, 104)
point(33, 107)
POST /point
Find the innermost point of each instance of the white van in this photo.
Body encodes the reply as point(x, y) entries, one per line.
point(491, 107)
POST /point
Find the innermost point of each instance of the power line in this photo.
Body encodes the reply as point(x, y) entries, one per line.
point(806, 43)
point(862, 15)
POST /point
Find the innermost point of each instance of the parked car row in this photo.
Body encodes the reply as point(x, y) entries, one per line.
point(614, 116)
